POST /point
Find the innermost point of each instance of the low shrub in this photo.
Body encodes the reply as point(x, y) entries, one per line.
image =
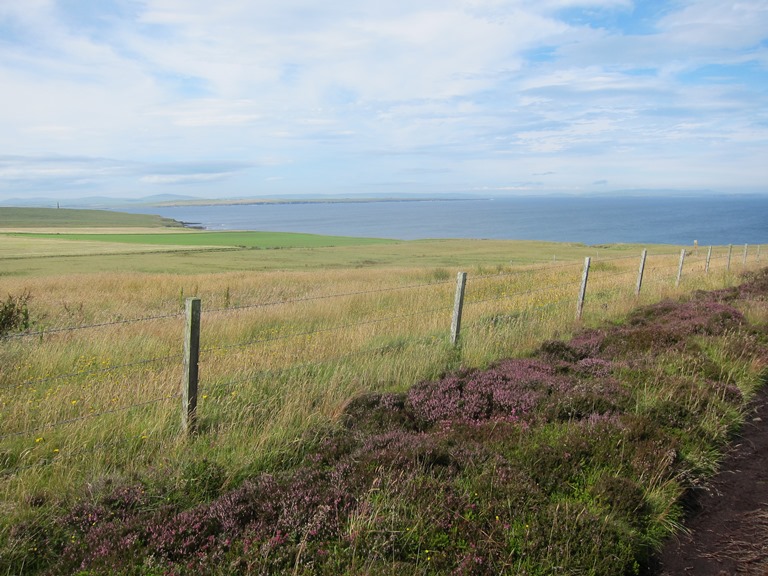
point(14, 314)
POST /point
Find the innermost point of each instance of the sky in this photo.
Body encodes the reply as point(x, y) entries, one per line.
point(257, 98)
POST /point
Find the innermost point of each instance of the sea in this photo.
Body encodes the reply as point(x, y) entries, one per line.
point(591, 220)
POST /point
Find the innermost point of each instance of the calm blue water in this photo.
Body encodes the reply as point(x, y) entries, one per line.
point(589, 220)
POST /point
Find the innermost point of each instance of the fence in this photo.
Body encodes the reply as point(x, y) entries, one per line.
point(326, 352)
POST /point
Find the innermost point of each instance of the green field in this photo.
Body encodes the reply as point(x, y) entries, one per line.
point(69, 218)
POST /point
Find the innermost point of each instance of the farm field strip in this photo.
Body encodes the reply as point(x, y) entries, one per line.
point(69, 219)
point(263, 240)
point(56, 248)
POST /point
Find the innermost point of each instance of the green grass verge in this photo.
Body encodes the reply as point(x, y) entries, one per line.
point(233, 239)
point(69, 218)
point(24, 255)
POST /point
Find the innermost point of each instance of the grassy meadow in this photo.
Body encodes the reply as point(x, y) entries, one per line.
point(296, 330)
point(47, 218)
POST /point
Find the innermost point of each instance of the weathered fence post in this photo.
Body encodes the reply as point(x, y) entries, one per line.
point(680, 268)
point(758, 253)
point(744, 260)
point(640, 273)
point(458, 306)
point(583, 290)
point(191, 358)
point(709, 257)
point(730, 252)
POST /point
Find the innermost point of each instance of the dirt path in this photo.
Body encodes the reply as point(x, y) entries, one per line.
point(728, 519)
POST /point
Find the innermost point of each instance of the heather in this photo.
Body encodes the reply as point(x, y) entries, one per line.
point(575, 460)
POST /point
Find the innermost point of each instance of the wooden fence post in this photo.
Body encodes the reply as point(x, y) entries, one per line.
point(191, 358)
point(728, 264)
point(680, 268)
point(709, 257)
point(458, 306)
point(583, 290)
point(758, 253)
point(640, 273)
point(744, 260)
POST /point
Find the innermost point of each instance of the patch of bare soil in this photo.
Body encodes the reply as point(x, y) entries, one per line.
point(728, 518)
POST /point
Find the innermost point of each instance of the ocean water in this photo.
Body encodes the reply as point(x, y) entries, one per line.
point(589, 220)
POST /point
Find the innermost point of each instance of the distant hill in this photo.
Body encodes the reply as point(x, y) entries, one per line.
point(94, 201)
point(155, 200)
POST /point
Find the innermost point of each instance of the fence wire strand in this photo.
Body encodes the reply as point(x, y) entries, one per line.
point(527, 309)
point(298, 367)
point(602, 275)
point(86, 417)
point(61, 457)
point(48, 332)
point(324, 330)
point(38, 381)
point(523, 293)
point(326, 297)
point(551, 268)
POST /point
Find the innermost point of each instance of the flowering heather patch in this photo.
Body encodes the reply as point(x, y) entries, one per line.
point(510, 390)
point(118, 504)
point(704, 317)
point(588, 343)
point(587, 399)
point(444, 452)
point(305, 505)
point(557, 352)
point(378, 412)
point(657, 328)
point(754, 287)
point(596, 367)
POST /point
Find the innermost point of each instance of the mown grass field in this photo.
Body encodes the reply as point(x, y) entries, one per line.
point(69, 218)
point(90, 410)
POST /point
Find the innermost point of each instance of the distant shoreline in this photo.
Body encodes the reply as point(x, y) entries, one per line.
point(191, 225)
point(276, 201)
point(675, 221)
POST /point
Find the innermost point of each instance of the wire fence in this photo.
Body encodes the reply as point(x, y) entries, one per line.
point(86, 373)
point(284, 340)
point(67, 329)
point(49, 425)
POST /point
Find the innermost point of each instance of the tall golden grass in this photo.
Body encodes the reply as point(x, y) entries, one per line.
point(93, 393)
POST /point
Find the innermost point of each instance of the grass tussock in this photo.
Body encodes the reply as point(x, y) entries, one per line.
point(315, 454)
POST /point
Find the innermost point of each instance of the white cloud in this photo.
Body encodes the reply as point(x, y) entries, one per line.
point(446, 91)
point(184, 178)
point(708, 24)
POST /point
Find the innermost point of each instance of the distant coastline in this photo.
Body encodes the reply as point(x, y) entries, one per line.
point(279, 201)
point(589, 219)
point(163, 201)
point(191, 225)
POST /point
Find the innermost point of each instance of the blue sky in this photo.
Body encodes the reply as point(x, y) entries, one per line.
point(262, 98)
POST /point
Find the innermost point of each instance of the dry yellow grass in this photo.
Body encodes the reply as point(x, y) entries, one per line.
point(23, 247)
point(281, 352)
